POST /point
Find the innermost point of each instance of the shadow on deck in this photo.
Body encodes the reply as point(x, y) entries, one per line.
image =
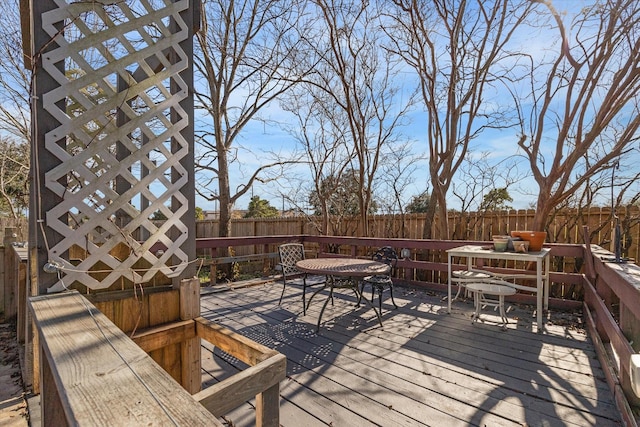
point(424, 367)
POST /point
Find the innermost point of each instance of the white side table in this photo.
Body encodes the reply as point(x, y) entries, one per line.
point(541, 259)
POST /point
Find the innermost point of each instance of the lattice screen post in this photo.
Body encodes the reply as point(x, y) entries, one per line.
point(40, 199)
point(112, 142)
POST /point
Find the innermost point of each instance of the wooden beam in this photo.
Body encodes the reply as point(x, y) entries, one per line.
point(224, 396)
point(25, 27)
point(238, 346)
point(191, 365)
point(189, 298)
point(50, 399)
point(161, 336)
point(622, 279)
point(190, 353)
point(268, 407)
point(607, 325)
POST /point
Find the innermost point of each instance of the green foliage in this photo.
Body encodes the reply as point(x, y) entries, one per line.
point(419, 203)
point(260, 208)
point(496, 200)
point(158, 216)
point(199, 213)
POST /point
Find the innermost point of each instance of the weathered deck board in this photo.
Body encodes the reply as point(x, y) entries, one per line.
point(360, 382)
point(423, 367)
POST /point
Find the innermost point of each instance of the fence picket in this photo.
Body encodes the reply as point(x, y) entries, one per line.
point(565, 226)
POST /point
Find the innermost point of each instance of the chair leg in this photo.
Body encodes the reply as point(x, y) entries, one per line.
point(315, 293)
point(284, 285)
point(331, 293)
point(360, 293)
point(355, 290)
point(505, 321)
point(477, 297)
point(457, 293)
point(391, 292)
point(304, 298)
point(380, 299)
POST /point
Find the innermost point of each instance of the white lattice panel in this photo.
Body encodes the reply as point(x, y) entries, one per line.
point(117, 64)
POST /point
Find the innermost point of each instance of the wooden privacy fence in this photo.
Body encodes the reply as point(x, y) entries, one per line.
point(564, 227)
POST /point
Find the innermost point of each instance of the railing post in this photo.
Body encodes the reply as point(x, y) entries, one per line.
point(10, 276)
point(213, 269)
point(191, 379)
point(268, 407)
point(266, 262)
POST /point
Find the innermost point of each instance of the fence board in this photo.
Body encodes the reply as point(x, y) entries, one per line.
point(565, 226)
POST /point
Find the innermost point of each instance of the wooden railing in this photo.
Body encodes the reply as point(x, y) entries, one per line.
point(92, 374)
point(14, 292)
point(612, 315)
point(426, 267)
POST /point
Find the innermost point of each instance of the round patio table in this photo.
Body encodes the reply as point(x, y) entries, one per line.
point(347, 269)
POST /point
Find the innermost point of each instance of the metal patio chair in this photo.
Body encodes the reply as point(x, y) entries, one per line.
point(289, 254)
point(379, 282)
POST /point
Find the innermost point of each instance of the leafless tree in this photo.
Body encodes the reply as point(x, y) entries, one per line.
point(460, 53)
point(397, 175)
point(358, 105)
point(14, 171)
point(586, 110)
point(15, 76)
point(478, 175)
point(15, 80)
point(246, 52)
point(327, 155)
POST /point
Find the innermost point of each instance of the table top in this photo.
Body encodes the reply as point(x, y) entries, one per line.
point(352, 267)
point(492, 289)
point(488, 252)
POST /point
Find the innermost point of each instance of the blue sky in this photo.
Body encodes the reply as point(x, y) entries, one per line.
point(258, 139)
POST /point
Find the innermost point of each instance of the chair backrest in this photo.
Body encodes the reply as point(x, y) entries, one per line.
point(290, 253)
point(387, 255)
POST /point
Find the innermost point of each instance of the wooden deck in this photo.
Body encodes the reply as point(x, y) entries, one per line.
point(424, 367)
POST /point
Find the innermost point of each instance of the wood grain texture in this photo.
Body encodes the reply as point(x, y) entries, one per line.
point(250, 352)
point(102, 377)
point(161, 336)
point(224, 396)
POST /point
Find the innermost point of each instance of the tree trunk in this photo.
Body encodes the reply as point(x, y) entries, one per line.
point(226, 208)
point(430, 216)
point(544, 206)
point(442, 232)
point(224, 192)
point(437, 203)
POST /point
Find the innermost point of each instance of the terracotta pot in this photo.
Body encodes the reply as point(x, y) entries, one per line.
point(536, 239)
